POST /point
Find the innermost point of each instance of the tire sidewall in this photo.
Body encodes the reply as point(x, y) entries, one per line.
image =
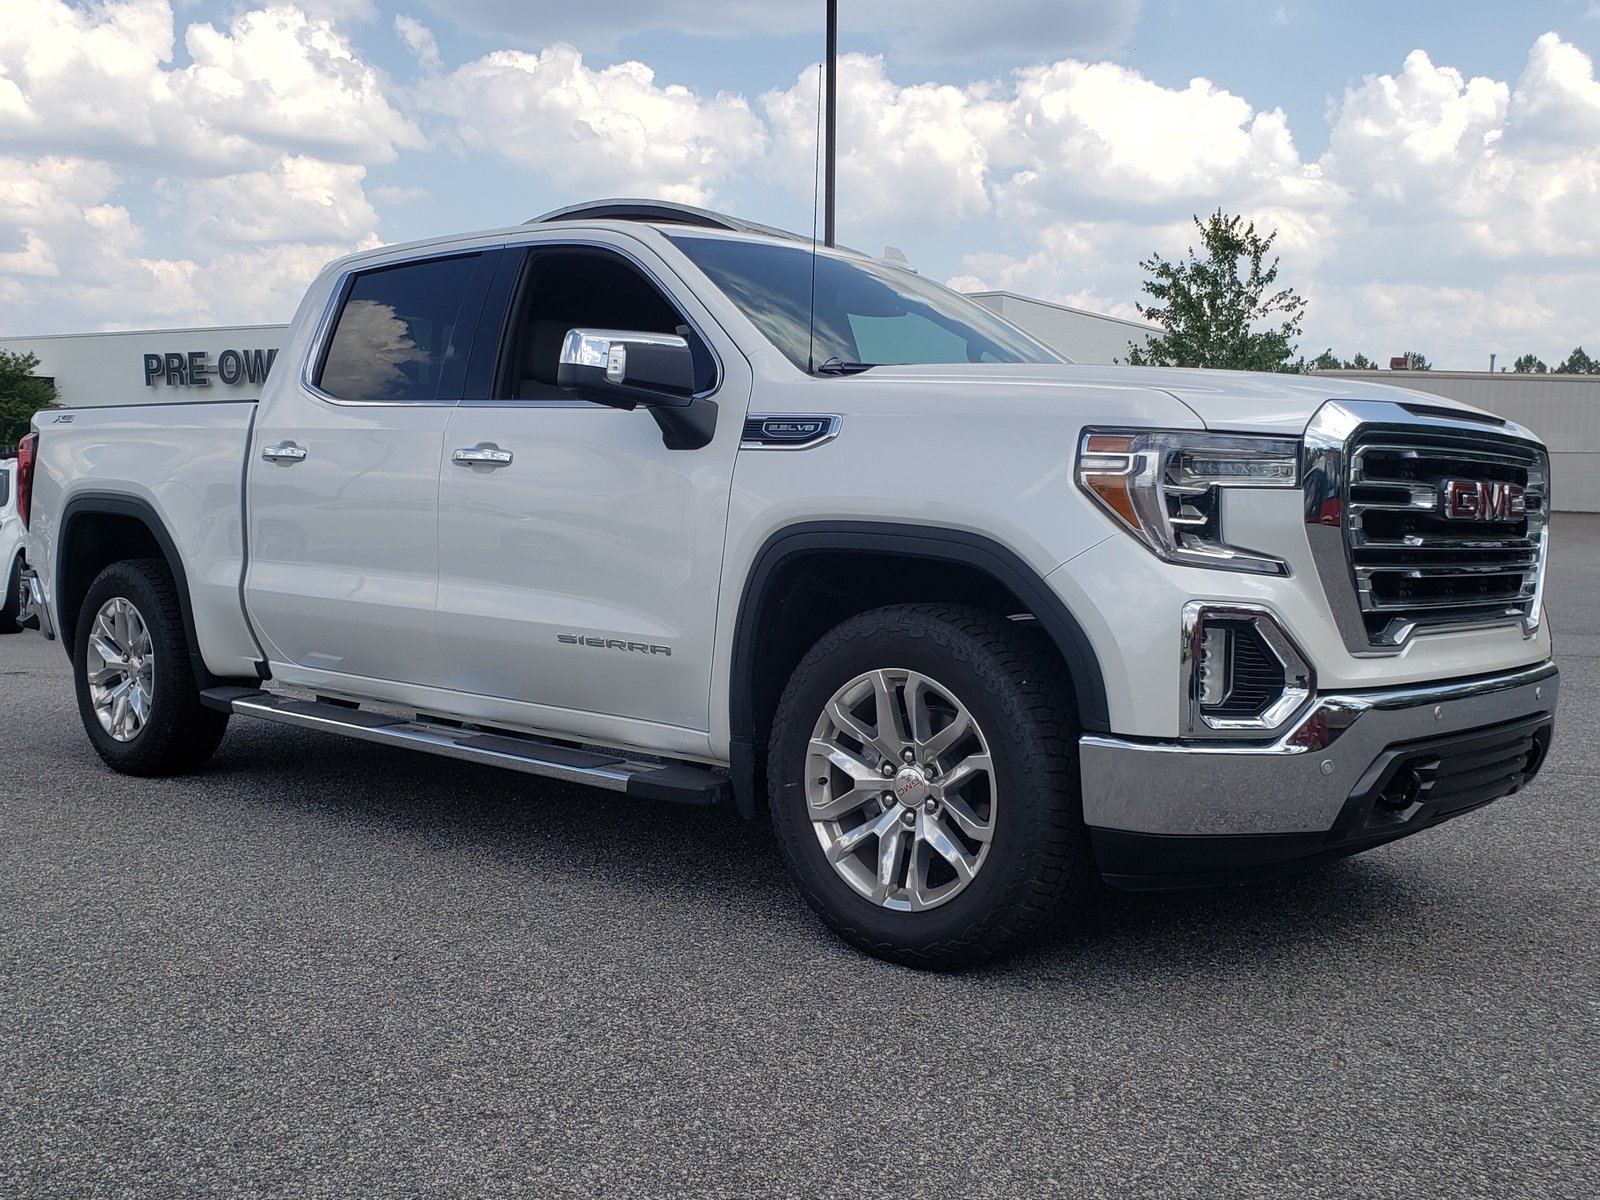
point(960, 665)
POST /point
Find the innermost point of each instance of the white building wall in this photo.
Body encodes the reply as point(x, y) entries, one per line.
point(1083, 336)
point(1564, 410)
point(151, 365)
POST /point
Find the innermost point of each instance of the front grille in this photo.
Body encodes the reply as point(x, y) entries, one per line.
point(1443, 524)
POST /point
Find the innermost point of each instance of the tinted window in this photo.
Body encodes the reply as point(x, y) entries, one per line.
point(399, 332)
point(865, 311)
point(582, 288)
point(5, 486)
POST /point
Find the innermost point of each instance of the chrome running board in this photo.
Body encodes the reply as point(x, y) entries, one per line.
point(612, 771)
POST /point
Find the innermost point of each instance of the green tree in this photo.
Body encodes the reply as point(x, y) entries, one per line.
point(1578, 363)
point(1416, 362)
point(1326, 361)
point(1219, 309)
point(21, 395)
point(1361, 363)
point(1529, 364)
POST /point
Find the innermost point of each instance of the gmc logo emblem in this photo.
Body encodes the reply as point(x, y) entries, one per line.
point(1481, 500)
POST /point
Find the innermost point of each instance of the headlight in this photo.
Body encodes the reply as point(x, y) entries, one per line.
point(1165, 487)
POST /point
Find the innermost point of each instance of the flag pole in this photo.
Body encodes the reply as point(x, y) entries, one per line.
point(832, 122)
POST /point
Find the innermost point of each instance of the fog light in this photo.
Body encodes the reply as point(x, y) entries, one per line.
point(1245, 677)
point(1215, 644)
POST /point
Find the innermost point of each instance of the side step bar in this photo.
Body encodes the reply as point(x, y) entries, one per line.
point(614, 772)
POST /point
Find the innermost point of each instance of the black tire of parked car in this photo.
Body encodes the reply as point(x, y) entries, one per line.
point(11, 600)
point(177, 733)
point(1038, 866)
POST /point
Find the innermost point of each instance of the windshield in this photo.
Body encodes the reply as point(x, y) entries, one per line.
point(866, 313)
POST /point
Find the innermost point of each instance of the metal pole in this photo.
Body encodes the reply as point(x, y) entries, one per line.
point(831, 145)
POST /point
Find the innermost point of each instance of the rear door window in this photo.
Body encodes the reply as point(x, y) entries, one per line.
point(403, 332)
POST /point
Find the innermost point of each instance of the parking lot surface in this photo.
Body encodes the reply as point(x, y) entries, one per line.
point(327, 969)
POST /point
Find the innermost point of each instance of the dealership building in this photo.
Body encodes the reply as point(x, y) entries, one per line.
point(231, 362)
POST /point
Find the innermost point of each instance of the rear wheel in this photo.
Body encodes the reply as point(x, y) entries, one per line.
point(137, 695)
point(924, 784)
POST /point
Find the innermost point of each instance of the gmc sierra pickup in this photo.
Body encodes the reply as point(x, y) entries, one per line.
point(667, 503)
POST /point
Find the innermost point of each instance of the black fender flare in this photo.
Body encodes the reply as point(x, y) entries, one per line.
point(974, 550)
point(116, 504)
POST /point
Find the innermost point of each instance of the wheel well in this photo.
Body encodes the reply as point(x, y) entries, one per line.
point(798, 592)
point(811, 593)
point(91, 542)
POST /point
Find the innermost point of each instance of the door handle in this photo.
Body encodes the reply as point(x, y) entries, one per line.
point(485, 454)
point(286, 453)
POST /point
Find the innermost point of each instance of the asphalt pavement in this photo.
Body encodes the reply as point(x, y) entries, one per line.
point(327, 969)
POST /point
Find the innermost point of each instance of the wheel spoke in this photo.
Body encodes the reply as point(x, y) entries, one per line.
point(891, 737)
point(847, 723)
point(964, 771)
point(888, 862)
point(847, 843)
point(106, 635)
point(921, 720)
point(112, 665)
point(847, 762)
point(835, 807)
point(933, 834)
point(966, 820)
point(917, 873)
point(139, 706)
point(119, 716)
point(932, 747)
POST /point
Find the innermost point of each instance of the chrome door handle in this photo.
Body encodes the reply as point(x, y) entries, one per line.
point(284, 452)
point(485, 454)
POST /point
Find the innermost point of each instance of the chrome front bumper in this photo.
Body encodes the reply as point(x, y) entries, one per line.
point(34, 613)
point(1302, 782)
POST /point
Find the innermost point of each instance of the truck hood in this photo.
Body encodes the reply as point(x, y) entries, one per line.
point(1239, 401)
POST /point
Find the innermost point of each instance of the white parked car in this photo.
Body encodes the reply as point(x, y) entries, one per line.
point(11, 534)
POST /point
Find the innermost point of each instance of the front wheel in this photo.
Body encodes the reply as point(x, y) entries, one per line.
point(137, 695)
point(924, 784)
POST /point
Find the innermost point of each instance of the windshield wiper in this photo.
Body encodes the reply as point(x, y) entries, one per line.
point(839, 366)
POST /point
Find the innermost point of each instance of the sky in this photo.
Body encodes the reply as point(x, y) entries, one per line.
point(1431, 168)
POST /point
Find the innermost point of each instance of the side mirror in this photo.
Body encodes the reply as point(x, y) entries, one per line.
point(627, 369)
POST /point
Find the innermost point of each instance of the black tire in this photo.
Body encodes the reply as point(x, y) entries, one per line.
point(11, 599)
point(1038, 864)
point(177, 733)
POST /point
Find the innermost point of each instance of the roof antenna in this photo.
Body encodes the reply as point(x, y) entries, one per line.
point(811, 337)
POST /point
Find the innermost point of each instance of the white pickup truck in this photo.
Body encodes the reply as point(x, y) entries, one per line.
point(663, 502)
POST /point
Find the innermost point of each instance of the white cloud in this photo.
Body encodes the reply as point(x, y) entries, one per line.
point(1448, 213)
point(297, 200)
point(420, 41)
point(256, 147)
point(607, 132)
point(57, 212)
point(100, 82)
point(277, 78)
point(908, 156)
